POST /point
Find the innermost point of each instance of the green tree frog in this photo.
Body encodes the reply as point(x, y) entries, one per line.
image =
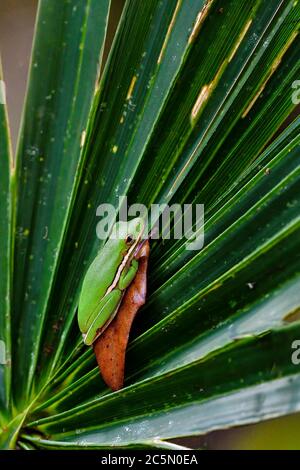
point(107, 278)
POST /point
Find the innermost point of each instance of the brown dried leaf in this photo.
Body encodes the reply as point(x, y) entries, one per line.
point(110, 347)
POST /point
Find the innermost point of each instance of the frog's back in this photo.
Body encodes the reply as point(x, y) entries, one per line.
point(100, 275)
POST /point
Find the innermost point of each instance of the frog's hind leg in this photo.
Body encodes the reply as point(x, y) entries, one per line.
point(103, 315)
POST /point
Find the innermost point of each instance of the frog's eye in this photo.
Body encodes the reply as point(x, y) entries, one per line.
point(129, 240)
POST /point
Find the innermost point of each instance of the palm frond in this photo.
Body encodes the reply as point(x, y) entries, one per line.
point(192, 107)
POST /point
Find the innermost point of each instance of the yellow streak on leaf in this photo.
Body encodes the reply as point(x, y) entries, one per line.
point(202, 97)
point(273, 68)
point(82, 140)
point(169, 31)
point(240, 38)
point(205, 93)
point(131, 87)
point(214, 287)
point(199, 20)
point(198, 106)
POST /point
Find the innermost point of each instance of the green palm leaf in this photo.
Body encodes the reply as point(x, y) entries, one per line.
point(199, 397)
point(64, 73)
point(192, 107)
point(6, 198)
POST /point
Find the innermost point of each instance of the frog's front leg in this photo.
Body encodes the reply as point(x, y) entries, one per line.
point(128, 275)
point(101, 314)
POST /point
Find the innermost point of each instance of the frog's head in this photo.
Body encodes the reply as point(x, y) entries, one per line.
point(131, 232)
